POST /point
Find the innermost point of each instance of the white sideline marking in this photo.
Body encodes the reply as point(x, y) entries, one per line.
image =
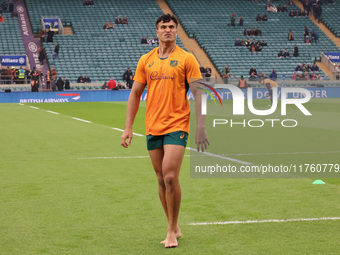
point(53, 112)
point(33, 107)
point(118, 129)
point(222, 157)
point(87, 121)
point(262, 221)
point(20, 104)
point(282, 153)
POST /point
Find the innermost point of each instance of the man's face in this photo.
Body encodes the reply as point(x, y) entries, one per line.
point(167, 31)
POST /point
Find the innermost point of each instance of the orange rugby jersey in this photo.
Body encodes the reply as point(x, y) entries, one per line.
point(167, 102)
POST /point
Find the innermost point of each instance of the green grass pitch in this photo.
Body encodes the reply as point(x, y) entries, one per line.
point(68, 187)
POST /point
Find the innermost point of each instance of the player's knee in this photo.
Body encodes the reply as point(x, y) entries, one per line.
point(160, 179)
point(170, 181)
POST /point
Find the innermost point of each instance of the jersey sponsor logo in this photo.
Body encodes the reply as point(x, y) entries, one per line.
point(154, 76)
point(151, 64)
point(173, 63)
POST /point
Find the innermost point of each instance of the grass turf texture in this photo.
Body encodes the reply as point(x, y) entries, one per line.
point(54, 199)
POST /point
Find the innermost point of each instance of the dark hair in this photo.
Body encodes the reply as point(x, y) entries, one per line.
point(167, 18)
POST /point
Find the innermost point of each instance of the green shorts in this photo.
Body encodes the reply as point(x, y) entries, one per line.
point(155, 141)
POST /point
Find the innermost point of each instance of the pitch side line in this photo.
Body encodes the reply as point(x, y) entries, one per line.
point(262, 221)
point(53, 112)
point(282, 153)
point(33, 107)
point(118, 129)
point(222, 157)
point(129, 157)
point(87, 121)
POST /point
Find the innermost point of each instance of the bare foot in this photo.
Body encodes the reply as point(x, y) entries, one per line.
point(178, 234)
point(171, 240)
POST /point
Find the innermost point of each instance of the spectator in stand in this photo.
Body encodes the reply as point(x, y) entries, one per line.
point(87, 79)
point(121, 85)
point(42, 55)
point(263, 43)
point(144, 41)
point(55, 53)
point(246, 32)
point(307, 40)
point(149, 41)
point(337, 72)
point(60, 84)
point(42, 35)
point(207, 73)
point(127, 76)
point(50, 35)
point(10, 6)
point(240, 21)
point(125, 21)
point(238, 42)
point(248, 43)
point(291, 13)
point(118, 20)
point(315, 68)
point(106, 26)
point(290, 36)
point(294, 76)
point(298, 67)
point(91, 2)
point(258, 32)
point(155, 40)
point(290, 3)
point(280, 55)
point(258, 18)
point(226, 74)
point(111, 26)
point(112, 84)
point(304, 68)
point(306, 32)
point(284, 8)
point(243, 42)
point(297, 13)
point(14, 14)
point(104, 86)
point(28, 75)
point(4, 6)
point(258, 47)
point(286, 53)
point(265, 17)
point(202, 70)
point(253, 70)
point(305, 75)
point(296, 51)
point(273, 75)
point(2, 19)
point(274, 9)
point(318, 12)
point(252, 32)
point(312, 76)
point(279, 8)
point(80, 79)
point(67, 84)
point(252, 77)
point(232, 20)
point(315, 37)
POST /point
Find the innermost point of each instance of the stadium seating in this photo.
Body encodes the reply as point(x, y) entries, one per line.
point(100, 54)
point(330, 17)
point(10, 40)
point(208, 22)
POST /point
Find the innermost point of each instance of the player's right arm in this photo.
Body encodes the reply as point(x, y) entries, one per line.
point(132, 108)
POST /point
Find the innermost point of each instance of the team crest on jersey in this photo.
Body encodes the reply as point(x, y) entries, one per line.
point(173, 63)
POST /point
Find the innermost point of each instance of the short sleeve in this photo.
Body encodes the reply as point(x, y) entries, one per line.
point(140, 71)
point(193, 72)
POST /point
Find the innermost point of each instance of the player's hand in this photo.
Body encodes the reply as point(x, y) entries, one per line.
point(126, 135)
point(201, 139)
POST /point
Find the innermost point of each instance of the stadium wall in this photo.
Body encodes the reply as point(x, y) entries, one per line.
point(123, 95)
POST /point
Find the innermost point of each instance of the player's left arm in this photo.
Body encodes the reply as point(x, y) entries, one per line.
point(201, 137)
point(194, 78)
